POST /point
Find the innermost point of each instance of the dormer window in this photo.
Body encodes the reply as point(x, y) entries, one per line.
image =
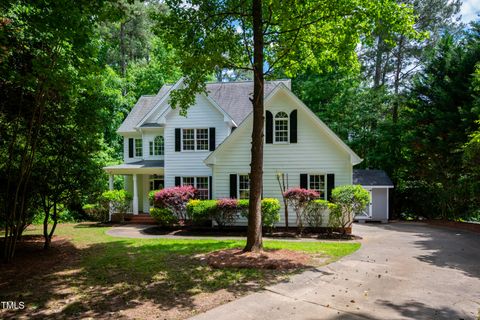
point(281, 127)
point(157, 146)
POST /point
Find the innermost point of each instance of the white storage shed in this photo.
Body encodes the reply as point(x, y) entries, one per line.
point(378, 184)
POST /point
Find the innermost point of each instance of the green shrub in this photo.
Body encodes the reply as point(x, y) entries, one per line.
point(243, 206)
point(334, 216)
point(96, 211)
point(315, 213)
point(200, 210)
point(119, 200)
point(163, 216)
point(225, 211)
point(351, 200)
point(270, 212)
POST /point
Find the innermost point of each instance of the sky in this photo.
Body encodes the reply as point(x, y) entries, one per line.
point(470, 9)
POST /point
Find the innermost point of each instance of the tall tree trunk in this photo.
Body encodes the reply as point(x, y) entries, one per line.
point(378, 63)
point(396, 83)
point(123, 53)
point(254, 233)
point(46, 210)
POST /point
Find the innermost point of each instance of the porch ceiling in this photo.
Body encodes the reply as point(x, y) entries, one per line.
point(139, 167)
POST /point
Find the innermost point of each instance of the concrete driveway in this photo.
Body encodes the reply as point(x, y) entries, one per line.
point(402, 271)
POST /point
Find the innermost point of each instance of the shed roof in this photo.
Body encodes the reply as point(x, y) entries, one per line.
point(372, 178)
point(232, 97)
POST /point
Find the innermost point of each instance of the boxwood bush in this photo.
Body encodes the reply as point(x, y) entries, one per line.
point(318, 213)
point(163, 216)
point(225, 211)
point(199, 211)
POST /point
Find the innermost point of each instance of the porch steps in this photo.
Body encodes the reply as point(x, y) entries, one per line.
point(141, 218)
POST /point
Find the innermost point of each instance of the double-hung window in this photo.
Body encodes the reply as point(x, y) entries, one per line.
point(281, 127)
point(199, 183)
point(317, 182)
point(195, 139)
point(138, 148)
point(157, 146)
point(243, 186)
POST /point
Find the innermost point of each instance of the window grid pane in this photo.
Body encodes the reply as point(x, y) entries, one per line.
point(317, 183)
point(202, 187)
point(188, 181)
point(243, 186)
point(202, 139)
point(158, 146)
point(138, 147)
point(281, 127)
point(188, 139)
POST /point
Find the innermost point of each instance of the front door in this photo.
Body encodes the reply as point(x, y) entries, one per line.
point(156, 182)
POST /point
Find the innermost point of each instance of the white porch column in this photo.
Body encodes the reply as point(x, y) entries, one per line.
point(135, 195)
point(110, 187)
point(110, 182)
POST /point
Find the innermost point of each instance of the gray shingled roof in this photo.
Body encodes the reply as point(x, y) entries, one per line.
point(139, 165)
point(366, 177)
point(232, 97)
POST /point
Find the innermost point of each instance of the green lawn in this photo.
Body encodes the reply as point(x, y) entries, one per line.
point(124, 277)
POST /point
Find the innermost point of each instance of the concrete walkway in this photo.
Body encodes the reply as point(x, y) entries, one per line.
point(402, 271)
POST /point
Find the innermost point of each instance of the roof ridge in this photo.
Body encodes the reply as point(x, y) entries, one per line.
point(244, 81)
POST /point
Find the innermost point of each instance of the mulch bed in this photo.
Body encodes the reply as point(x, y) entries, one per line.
point(470, 226)
point(31, 258)
point(242, 232)
point(267, 259)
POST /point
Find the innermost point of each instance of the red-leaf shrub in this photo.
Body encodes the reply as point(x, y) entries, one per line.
point(299, 198)
point(227, 212)
point(175, 199)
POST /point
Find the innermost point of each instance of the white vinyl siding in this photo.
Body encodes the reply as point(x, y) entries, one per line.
point(315, 152)
point(201, 115)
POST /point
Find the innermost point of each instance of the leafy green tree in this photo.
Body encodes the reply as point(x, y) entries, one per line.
point(441, 115)
point(261, 36)
point(45, 46)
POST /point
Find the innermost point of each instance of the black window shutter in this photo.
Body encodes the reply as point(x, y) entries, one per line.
point(233, 186)
point(330, 185)
point(293, 126)
point(130, 147)
point(212, 139)
point(303, 180)
point(177, 182)
point(177, 139)
point(268, 127)
point(210, 188)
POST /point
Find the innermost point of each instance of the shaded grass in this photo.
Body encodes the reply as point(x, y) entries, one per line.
point(111, 275)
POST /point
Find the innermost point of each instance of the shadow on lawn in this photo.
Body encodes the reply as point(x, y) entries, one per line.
point(103, 279)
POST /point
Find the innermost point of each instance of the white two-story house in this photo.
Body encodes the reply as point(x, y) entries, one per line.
point(209, 148)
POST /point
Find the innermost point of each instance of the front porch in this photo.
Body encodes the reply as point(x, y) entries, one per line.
point(139, 179)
